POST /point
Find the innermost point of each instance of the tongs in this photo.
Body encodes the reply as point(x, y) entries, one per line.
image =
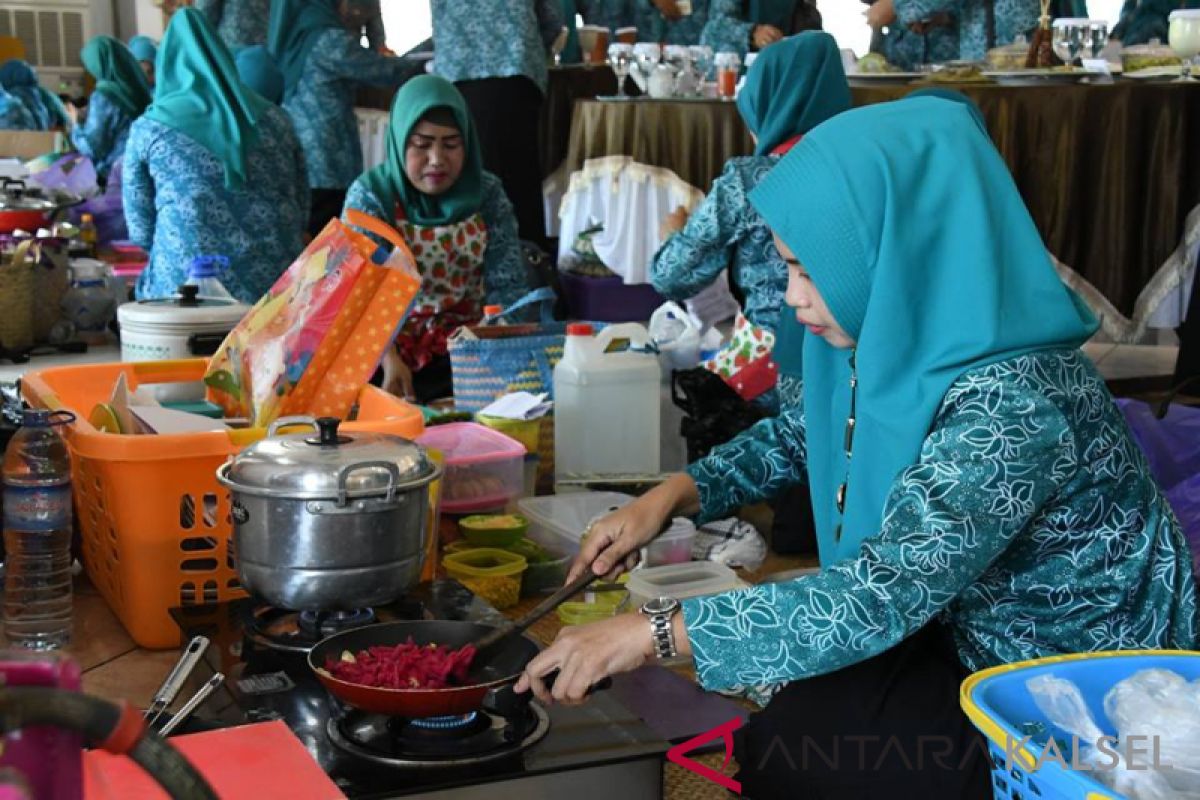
point(193, 702)
point(178, 676)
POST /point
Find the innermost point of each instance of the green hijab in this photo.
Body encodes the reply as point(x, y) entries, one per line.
point(772, 12)
point(388, 181)
point(200, 94)
point(293, 31)
point(258, 71)
point(910, 226)
point(793, 86)
point(118, 75)
point(143, 48)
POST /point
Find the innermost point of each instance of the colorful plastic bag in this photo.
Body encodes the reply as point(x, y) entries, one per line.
point(314, 340)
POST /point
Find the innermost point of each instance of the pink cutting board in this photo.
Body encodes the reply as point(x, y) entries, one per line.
point(250, 762)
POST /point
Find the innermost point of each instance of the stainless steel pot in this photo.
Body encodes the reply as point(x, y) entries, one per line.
point(331, 521)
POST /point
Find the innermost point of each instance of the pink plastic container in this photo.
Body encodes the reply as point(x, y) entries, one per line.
point(484, 468)
point(49, 759)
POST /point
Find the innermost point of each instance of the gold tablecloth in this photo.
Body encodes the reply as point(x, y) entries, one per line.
point(1109, 172)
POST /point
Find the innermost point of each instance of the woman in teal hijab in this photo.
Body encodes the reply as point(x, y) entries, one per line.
point(970, 477)
point(120, 97)
point(212, 169)
point(790, 89)
point(259, 71)
point(460, 225)
point(146, 52)
point(19, 80)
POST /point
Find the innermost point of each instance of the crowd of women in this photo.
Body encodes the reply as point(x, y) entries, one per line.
point(975, 495)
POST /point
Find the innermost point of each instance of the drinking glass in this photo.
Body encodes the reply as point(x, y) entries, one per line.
point(1184, 37)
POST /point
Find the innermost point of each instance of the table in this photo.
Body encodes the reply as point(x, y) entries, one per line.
point(1110, 173)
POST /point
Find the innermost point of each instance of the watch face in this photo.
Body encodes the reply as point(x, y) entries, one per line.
point(660, 605)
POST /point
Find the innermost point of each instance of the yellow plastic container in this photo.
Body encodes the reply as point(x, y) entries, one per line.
point(595, 606)
point(492, 574)
point(527, 432)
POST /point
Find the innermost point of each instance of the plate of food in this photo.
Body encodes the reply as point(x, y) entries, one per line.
point(1037, 77)
point(874, 68)
point(1159, 73)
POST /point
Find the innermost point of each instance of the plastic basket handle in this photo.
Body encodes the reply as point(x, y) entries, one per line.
point(544, 297)
point(376, 226)
point(21, 252)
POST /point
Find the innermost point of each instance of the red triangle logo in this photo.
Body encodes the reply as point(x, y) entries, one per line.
point(724, 731)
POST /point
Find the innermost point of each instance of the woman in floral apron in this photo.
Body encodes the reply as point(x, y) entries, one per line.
point(457, 220)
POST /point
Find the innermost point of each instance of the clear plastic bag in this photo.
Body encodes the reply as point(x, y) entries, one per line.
point(1156, 709)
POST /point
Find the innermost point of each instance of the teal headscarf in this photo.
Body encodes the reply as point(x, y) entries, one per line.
point(21, 81)
point(910, 226)
point(143, 48)
point(773, 12)
point(388, 181)
point(294, 28)
point(117, 73)
point(793, 86)
point(200, 94)
point(571, 54)
point(258, 71)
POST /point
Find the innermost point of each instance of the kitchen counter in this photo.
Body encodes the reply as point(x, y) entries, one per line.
point(116, 668)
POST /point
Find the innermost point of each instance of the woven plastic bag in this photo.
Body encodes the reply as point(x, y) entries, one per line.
point(314, 340)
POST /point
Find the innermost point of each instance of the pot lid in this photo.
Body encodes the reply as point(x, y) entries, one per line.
point(326, 462)
point(187, 309)
point(16, 196)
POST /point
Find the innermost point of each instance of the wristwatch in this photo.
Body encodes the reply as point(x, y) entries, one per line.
point(660, 611)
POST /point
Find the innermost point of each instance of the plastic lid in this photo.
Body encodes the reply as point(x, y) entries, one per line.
point(208, 267)
point(1185, 13)
point(492, 311)
point(681, 581)
point(580, 329)
point(469, 442)
point(86, 218)
point(173, 313)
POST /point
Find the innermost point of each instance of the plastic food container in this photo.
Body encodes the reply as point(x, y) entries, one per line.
point(546, 570)
point(484, 468)
point(490, 573)
point(1144, 56)
point(557, 522)
point(681, 581)
point(672, 546)
point(493, 530)
point(594, 607)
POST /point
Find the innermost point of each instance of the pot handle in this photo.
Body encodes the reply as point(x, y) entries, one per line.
point(344, 477)
point(284, 422)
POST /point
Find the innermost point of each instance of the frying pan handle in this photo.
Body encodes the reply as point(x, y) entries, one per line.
point(506, 702)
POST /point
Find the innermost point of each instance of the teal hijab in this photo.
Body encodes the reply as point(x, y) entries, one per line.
point(294, 28)
point(793, 86)
point(21, 81)
point(388, 181)
point(571, 54)
point(200, 94)
point(772, 12)
point(910, 226)
point(117, 73)
point(143, 48)
point(258, 71)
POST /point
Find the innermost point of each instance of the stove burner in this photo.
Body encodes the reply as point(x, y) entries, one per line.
point(297, 631)
point(476, 738)
point(450, 723)
point(320, 624)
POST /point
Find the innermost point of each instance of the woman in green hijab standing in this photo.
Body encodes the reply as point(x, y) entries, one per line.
point(791, 89)
point(978, 499)
point(212, 169)
point(457, 220)
point(121, 96)
point(322, 63)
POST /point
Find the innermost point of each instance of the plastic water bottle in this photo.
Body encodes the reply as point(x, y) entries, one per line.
point(205, 273)
point(37, 535)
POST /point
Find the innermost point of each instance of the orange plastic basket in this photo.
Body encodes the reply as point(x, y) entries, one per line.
point(155, 523)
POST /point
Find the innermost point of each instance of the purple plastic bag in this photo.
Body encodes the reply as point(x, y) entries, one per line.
point(73, 173)
point(1172, 446)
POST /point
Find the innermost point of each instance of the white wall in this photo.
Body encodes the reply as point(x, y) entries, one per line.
point(407, 23)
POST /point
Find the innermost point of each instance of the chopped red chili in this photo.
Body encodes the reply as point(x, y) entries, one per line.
point(404, 666)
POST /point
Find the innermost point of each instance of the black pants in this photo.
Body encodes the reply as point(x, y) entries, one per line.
point(889, 727)
point(325, 204)
point(507, 112)
point(434, 382)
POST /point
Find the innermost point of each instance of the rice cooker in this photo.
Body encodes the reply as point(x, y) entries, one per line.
point(180, 327)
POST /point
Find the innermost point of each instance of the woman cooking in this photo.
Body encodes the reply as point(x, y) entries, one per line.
point(121, 96)
point(458, 220)
point(322, 63)
point(977, 496)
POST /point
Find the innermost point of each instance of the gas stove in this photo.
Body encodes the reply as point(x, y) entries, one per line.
point(519, 750)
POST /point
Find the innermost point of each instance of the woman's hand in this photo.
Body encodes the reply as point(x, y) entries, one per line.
point(881, 14)
point(668, 9)
point(72, 113)
point(614, 540)
point(673, 223)
point(397, 377)
point(765, 35)
point(586, 654)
